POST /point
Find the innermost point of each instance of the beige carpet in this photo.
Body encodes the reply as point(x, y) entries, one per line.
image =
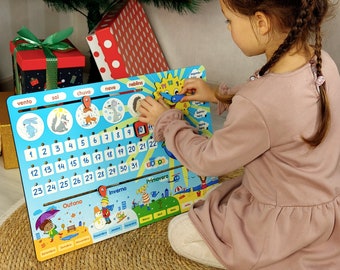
point(144, 248)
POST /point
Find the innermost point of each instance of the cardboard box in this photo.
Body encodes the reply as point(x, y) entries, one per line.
point(124, 44)
point(32, 68)
point(7, 144)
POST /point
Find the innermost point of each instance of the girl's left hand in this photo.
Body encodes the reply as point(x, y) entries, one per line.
point(150, 110)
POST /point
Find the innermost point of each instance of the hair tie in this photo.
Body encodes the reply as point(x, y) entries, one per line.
point(320, 80)
point(255, 76)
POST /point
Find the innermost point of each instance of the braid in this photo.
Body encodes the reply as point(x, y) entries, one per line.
point(296, 31)
point(308, 21)
point(324, 120)
point(304, 21)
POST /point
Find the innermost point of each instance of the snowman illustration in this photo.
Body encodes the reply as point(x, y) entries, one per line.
point(99, 222)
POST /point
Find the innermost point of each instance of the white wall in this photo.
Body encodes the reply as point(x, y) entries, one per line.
point(201, 38)
point(186, 39)
point(204, 39)
point(41, 20)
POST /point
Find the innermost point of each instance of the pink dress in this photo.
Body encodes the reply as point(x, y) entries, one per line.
point(284, 213)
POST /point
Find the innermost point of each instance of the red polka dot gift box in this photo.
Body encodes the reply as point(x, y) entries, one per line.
point(124, 44)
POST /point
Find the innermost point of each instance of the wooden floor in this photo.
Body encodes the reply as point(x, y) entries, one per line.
point(10, 182)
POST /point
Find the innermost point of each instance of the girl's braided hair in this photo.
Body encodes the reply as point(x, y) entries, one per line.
point(303, 19)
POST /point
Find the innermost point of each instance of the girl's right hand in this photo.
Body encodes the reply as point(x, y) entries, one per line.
point(198, 90)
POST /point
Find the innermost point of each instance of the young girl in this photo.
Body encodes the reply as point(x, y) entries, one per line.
point(283, 126)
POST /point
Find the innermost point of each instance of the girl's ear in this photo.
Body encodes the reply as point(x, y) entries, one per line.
point(262, 23)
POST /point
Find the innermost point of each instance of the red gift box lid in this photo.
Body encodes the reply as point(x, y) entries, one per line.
point(36, 59)
point(124, 44)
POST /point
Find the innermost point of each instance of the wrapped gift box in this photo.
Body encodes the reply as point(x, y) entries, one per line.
point(6, 137)
point(32, 68)
point(124, 44)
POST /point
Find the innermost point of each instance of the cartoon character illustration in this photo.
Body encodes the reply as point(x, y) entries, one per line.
point(203, 182)
point(87, 114)
point(30, 129)
point(89, 120)
point(49, 228)
point(45, 224)
point(99, 222)
point(145, 196)
point(105, 209)
point(59, 123)
point(113, 106)
point(169, 88)
point(134, 203)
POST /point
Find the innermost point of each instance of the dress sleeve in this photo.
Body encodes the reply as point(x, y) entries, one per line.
point(223, 89)
point(222, 107)
point(243, 137)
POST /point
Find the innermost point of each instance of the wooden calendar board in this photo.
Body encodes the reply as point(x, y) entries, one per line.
point(90, 170)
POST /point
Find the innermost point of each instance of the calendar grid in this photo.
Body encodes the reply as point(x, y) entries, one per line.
point(91, 170)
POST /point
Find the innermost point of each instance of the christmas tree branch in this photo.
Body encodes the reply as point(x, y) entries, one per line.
point(181, 6)
point(79, 11)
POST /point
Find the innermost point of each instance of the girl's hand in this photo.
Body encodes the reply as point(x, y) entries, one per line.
point(150, 110)
point(198, 90)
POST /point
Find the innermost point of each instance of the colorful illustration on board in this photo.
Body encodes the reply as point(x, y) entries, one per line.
point(91, 170)
point(169, 89)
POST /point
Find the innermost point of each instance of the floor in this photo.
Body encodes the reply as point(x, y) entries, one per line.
point(10, 183)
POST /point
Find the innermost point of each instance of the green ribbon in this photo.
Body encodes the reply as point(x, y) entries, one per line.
point(53, 42)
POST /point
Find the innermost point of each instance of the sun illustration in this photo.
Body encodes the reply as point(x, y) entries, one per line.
point(169, 88)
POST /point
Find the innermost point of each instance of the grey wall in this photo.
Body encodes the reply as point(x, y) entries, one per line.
point(186, 39)
point(203, 38)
